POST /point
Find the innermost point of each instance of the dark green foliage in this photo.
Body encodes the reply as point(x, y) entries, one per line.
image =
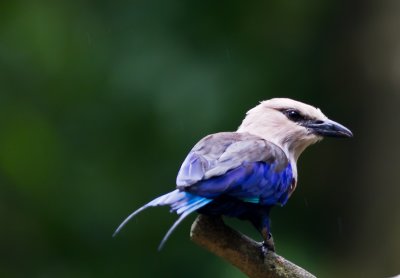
point(100, 101)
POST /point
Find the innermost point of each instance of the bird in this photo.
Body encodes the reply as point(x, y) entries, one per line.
point(245, 173)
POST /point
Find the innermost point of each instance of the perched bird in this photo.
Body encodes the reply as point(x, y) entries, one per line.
point(245, 173)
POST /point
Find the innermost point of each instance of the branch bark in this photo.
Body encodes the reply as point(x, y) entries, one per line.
point(241, 251)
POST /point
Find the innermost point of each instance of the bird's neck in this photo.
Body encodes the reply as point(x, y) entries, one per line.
point(292, 157)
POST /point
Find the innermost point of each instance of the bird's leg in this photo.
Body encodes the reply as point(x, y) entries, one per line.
point(260, 220)
point(268, 243)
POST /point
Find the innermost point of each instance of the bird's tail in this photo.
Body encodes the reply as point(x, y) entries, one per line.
point(183, 203)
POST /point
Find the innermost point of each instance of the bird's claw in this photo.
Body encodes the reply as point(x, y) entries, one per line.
point(264, 250)
point(267, 245)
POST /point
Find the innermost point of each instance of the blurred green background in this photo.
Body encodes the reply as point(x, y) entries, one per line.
point(100, 101)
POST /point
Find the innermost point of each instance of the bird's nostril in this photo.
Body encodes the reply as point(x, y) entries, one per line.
point(319, 122)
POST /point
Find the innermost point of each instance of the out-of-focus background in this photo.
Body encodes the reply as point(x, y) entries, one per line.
point(100, 101)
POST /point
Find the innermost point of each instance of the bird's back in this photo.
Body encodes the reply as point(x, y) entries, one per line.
point(241, 166)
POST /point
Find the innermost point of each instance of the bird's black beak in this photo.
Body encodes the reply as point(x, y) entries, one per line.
point(328, 128)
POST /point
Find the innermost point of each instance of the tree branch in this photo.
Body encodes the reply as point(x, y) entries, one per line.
point(212, 234)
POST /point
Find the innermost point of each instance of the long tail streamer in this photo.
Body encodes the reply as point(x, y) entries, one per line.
point(183, 203)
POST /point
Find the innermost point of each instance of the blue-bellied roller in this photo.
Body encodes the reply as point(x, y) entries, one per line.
point(245, 173)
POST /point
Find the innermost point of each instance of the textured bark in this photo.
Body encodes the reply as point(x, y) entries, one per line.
point(241, 251)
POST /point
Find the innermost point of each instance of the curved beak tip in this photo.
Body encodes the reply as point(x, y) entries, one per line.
point(348, 134)
point(340, 130)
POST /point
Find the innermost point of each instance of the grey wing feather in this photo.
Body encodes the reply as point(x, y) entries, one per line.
point(236, 154)
point(218, 153)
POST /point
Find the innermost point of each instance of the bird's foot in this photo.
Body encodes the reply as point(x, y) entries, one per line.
point(267, 246)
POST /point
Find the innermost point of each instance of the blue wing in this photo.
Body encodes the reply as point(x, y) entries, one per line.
point(253, 182)
point(238, 165)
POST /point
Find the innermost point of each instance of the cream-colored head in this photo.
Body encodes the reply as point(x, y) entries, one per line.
point(290, 124)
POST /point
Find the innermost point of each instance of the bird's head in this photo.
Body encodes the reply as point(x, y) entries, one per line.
point(291, 124)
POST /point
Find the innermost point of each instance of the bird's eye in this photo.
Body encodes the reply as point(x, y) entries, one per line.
point(293, 115)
